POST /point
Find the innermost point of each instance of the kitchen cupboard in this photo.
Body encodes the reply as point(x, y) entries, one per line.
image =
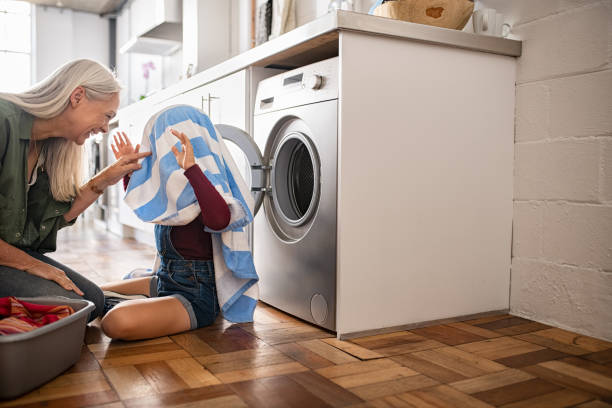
point(224, 100)
point(425, 215)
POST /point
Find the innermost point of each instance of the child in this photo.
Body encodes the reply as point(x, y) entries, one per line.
point(182, 295)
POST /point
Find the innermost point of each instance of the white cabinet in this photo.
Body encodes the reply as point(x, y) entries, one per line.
point(425, 186)
point(224, 100)
point(206, 33)
point(132, 121)
point(162, 16)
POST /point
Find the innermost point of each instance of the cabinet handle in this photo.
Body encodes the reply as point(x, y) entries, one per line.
point(208, 101)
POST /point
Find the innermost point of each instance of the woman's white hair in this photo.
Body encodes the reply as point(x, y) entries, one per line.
point(47, 99)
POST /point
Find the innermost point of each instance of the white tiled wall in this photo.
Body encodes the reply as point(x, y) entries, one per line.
point(562, 234)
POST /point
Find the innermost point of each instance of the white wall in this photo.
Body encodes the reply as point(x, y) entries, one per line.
point(123, 60)
point(62, 35)
point(129, 66)
point(562, 240)
point(309, 10)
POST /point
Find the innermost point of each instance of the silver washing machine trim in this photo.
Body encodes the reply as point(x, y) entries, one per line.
point(285, 185)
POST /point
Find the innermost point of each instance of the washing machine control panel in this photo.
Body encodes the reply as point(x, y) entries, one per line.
point(309, 84)
point(313, 82)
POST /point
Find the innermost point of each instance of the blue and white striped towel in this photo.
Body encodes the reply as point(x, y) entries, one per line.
point(160, 193)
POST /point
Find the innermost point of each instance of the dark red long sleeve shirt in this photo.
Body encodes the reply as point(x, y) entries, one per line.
point(191, 241)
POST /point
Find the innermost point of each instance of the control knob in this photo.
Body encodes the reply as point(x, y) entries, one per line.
point(313, 82)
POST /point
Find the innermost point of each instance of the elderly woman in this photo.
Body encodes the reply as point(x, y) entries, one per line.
point(42, 132)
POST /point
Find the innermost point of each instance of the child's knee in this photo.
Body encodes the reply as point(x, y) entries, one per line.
point(118, 324)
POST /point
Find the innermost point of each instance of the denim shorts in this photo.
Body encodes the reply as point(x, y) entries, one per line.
point(192, 282)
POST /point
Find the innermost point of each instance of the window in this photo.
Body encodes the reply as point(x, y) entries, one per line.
point(15, 45)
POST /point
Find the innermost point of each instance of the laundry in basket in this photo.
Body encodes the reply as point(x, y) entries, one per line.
point(20, 317)
point(37, 356)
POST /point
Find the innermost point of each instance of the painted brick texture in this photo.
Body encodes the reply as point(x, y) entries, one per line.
point(569, 42)
point(557, 170)
point(562, 227)
point(554, 293)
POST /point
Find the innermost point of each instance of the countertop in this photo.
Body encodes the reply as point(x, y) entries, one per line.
point(318, 40)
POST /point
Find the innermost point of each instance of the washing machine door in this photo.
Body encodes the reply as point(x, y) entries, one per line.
point(294, 184)
point(247, 148)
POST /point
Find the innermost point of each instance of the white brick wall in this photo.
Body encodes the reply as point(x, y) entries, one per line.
point(580, 235)
point(581, 105)
point(562, 229)
point(527, 230)
point(532, 112)
point(570, 297)
point(519, 12)
point(557, 170)
point(564, 43)
point(605, 180)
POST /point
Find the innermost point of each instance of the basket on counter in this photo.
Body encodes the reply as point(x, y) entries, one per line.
point(30, 359)
point(440, 13)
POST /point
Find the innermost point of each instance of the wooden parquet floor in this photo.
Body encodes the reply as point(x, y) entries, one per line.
point(279, 361)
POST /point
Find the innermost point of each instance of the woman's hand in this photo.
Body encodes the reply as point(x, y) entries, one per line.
point(127, 161)
point(50, 272)
point(116, 171)
point(123, 146)
point(184, 157)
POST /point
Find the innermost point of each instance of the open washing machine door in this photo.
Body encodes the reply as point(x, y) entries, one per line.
point(295, 181)
point(255, 166)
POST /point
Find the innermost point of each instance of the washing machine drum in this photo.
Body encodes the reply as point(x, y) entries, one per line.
point(295, 186)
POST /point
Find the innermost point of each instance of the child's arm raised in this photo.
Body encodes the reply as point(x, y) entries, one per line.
point(215, 213)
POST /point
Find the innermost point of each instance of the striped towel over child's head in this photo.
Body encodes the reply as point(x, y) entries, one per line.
point(160, 193)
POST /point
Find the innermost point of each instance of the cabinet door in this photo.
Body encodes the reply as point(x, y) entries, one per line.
point(132, 122)
point(226, 101)
point(142, 15)
point(136, 122)
point(187, 98)
point(226, 104)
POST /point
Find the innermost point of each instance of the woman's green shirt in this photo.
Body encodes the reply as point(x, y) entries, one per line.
point(28, 218)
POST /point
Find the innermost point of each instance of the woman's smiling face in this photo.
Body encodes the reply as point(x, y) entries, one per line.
point(89, 116)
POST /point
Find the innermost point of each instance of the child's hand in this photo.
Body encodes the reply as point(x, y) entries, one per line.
point(184, 157)
point(123, 146)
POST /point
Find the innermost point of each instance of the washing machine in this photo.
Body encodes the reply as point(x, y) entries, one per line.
point(295, 127)
point(292, 171)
